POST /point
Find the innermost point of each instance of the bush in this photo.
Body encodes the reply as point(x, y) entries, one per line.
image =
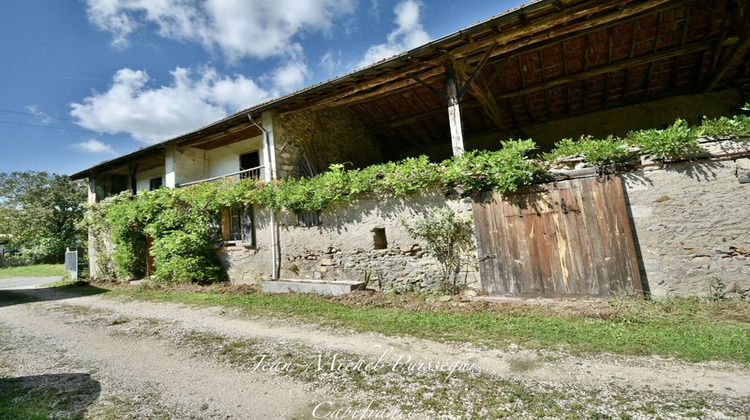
point(45, 251)
point(447, 236)
point(184, 257)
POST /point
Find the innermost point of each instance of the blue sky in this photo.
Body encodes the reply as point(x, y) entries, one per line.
point(85, 81)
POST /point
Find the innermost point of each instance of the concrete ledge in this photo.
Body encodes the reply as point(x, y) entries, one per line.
point(333, 288)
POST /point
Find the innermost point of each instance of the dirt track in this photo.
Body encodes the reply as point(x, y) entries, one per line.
point(132, 359)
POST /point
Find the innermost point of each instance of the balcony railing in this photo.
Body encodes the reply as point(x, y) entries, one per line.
point(252, 173)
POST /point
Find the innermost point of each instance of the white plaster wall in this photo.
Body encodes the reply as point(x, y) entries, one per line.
point(226, 160)
point(189, 164)
point(246, 265)
point(142, 179)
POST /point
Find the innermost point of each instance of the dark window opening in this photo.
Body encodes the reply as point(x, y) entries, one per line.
point(238, 226)
point(250, 161)
point(379, 237)
point(308, 218)
point(119, 183)
point(154, 183)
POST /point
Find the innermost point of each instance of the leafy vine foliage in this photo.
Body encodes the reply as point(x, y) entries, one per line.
point(184, 223)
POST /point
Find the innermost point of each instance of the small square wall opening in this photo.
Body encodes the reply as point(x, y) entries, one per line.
point(380, 241)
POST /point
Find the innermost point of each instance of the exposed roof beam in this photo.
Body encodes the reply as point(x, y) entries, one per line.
point(741, 22)
point(554, 27)
point(738, 52)
point(577, 77)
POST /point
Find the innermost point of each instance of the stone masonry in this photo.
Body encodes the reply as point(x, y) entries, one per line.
point(692, 224)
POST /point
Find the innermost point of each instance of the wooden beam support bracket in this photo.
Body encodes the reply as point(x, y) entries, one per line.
point(432, 89)
point(476, 71)
point(729, 61)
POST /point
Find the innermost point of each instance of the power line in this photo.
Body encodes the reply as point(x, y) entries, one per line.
point(71, 122)
point(55, 127)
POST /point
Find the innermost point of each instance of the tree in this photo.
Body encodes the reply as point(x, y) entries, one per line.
point(40, 212)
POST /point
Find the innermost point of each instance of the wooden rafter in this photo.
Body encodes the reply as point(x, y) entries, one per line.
point(731, 60)
point(622, 65)
point(576, 20)
point(719, 66)
point(476, 70)
point(480, 89)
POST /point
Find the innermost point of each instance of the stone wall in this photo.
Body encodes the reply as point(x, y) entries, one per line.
point(317, 139)
point(692, 224)
point(342, 246)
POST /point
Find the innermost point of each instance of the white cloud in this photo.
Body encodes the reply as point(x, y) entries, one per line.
point(331, 62)
point(289, 77)
point(409, 34)
point(42, 117)
point(193, 99)
point(239, 28)
point(94, 146)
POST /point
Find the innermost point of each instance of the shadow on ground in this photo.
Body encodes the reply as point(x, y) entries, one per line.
point(74, 290)
point(64, 395)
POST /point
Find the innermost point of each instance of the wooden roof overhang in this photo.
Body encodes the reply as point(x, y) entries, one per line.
point(547, 60)
point(230, 130)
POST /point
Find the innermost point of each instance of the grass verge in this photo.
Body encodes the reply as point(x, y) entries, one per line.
point(687, 329)
point(41, 270)
point(66, 395)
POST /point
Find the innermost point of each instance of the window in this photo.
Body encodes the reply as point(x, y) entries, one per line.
point(119, 183)
point(250, 161)
point(237, 225)
point(379, 239)
point(308, 218)
point(154, 183)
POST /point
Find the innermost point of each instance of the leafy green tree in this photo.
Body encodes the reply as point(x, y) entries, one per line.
point(40, 213)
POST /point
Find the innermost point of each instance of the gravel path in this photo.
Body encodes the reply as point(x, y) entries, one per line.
point(133, 359)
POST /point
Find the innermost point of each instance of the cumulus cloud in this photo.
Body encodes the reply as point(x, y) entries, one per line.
point(149, 114)
point(409, 34)
point(289, 77)
point(94, 146)
point(239, 28)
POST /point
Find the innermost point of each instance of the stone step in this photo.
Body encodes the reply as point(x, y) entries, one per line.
point(322, 287)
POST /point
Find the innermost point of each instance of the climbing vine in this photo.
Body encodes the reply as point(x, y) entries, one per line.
point(184, 223)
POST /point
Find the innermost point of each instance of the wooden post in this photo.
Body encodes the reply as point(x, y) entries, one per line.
point(454, 109)
point(133, 169)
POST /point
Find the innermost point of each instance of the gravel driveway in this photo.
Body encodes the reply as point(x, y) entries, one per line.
point(113, 358)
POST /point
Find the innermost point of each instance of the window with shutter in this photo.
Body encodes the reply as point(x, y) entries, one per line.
point(238, 226)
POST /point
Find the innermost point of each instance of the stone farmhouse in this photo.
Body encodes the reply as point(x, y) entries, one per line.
point(548, 70)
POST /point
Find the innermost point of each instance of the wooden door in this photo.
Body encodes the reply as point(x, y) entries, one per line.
point(568, 238)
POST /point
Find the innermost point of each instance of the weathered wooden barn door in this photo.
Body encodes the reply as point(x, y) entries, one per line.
point(568, 238)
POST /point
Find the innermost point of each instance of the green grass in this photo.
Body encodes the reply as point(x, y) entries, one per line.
point(687, 329)
point(47, 396)
point(41, 270)
point(16, 402)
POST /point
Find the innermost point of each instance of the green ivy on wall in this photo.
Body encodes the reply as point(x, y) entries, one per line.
point(184, 223)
